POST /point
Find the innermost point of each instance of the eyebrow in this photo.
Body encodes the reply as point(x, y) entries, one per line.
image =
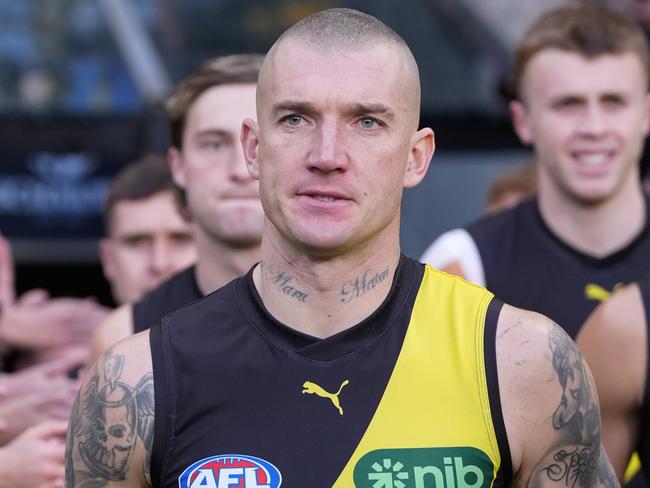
point(292, 106)
point(213, 132)
point(371, 109)
point(352, 108)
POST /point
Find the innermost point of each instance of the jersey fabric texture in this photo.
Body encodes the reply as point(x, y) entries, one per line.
point(528, 266)
point(643, 447)
point(405, 398)
point(178, 291)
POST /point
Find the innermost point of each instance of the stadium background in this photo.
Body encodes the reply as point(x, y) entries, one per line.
point(83, 82)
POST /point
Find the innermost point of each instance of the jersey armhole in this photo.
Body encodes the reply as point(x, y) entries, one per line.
point(163, 396)
point(492, 378)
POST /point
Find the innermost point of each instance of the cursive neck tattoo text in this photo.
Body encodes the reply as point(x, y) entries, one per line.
point(361, 284)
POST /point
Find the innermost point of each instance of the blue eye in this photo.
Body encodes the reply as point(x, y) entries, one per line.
point(293, 120)
point(368, 123)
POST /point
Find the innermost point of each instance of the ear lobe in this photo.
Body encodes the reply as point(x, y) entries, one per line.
point(250, 145)
point(520, 121)
point(423, 146)
point(177, 167)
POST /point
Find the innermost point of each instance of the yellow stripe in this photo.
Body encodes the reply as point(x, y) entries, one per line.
point(633, 467)
point(437, 395)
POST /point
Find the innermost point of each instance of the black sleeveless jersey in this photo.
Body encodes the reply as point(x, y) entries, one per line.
point(643, 447)
point(528, 266)
point(406, 398)
point(178, 291)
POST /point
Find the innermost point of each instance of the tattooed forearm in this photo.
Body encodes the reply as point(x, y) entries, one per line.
point(577, 460)
point(109, 419)
point(361, 284)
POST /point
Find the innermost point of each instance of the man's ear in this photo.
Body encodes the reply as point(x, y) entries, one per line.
point(423, 145)
point(177, 167)
point(250, 144)
point(106, 258)
point(520, 121)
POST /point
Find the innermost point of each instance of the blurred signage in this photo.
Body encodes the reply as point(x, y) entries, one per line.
point(54, 195)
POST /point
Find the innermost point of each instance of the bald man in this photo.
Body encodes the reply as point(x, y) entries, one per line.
point(337, 361)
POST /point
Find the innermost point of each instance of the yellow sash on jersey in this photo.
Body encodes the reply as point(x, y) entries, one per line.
point(433, 425)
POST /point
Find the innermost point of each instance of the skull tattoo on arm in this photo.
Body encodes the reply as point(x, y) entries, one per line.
point(109, 419)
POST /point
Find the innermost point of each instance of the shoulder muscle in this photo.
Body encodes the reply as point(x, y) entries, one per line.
point(116, 326)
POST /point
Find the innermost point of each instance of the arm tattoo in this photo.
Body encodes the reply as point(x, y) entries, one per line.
point(577, 459)
point(361, 284)
point(108, 418)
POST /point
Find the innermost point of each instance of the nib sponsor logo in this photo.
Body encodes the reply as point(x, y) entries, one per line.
point(231, 471)
point(458, 467)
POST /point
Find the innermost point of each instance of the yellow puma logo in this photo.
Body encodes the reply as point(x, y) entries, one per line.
point(310, 387)
point(597, 292)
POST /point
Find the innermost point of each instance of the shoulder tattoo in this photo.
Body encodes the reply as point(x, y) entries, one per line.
point(109, 419)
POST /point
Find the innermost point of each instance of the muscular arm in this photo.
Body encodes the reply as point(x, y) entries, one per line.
point(116, 326)
point(111, 427)
point(550, 406)
point(614, 343)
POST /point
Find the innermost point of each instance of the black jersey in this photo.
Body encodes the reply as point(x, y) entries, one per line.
point(178, 291)
point(407, 397)
point(643, 447)
point(528, 266)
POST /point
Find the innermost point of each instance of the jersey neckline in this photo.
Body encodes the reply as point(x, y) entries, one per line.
point(593, 261)
point(340, 345)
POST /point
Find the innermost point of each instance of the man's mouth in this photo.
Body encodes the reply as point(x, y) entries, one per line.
point(594, 159)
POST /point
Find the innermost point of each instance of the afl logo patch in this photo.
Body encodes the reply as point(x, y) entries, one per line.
point(231, 471)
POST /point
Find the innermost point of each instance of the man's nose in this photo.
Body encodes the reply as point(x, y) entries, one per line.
point(329, 151)
point(594, 122)
point(161, 259)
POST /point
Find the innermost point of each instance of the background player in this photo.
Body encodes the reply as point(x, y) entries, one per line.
point(214, 188)
point(148, 240)
point(581, 77)
point(615, 342)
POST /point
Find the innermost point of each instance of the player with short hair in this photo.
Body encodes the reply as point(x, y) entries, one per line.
point(148, 240)
point(581, 79)
point(213, 189)
point(338, 361)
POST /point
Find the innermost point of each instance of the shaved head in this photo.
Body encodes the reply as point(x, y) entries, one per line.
point(340, 30)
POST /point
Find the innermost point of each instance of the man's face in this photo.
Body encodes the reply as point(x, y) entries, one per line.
point(222, 196)
point(587, 120)
point(148, 242)
point(335, 137)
